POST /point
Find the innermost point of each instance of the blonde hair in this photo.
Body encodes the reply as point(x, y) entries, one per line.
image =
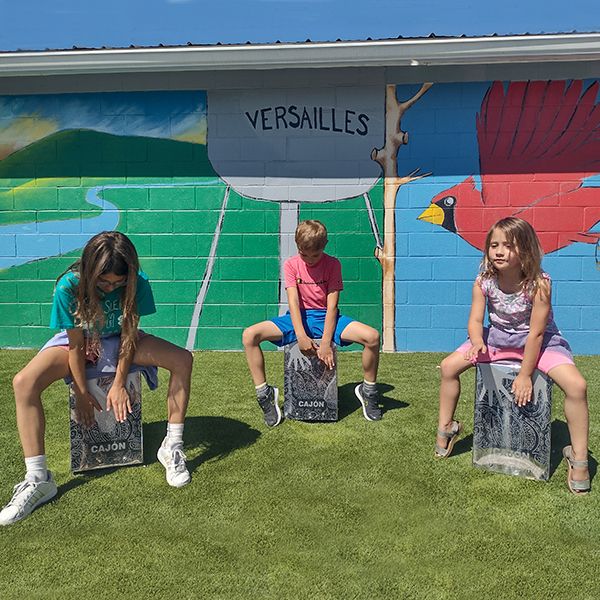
point(107, 252)
point(311, 235)
point(527, 246)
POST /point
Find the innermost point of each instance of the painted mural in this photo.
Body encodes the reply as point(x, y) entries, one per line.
point(539, 144)
point(295, 148)
point(210, 186)
point(211, 241)
point(494, 149)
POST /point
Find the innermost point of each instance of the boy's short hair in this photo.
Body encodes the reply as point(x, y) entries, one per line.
point(311, 235)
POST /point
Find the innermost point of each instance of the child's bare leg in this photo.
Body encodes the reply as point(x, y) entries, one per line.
point(366, 392)
point(44, 369)
point(251, 338)
point(153, 350)
point(369, 338)
point(39, 486)
point(178, 361)
point(450, 369)
point(572, 383)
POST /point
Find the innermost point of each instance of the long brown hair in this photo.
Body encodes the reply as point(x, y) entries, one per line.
point(527, 245)
point(107, 252)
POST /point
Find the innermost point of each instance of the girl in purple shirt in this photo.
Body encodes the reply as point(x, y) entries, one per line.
point(521, 326)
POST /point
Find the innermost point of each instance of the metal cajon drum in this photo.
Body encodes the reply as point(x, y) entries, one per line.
point(508, 438)
point(310, 388)
point(107, 443)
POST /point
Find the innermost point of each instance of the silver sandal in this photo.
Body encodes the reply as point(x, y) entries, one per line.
point(451, 436)
point(579, 487)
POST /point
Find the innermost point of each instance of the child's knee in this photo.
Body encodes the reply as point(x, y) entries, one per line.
point(372, 338)
point(251, 336)
point(22, 385)
point(447, 368)
point(186, 360)
point(578, 388)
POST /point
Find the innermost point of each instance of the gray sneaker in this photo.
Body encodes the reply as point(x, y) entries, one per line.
point(27, 496)
point(368, 401)
point(270, 407)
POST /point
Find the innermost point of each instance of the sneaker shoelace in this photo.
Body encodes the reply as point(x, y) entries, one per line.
point(19, 498)
point(370, 396)
point(178, 459)
point(266, 402)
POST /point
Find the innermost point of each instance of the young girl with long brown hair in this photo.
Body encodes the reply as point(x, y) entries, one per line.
point(102, 294)
point(521, 327)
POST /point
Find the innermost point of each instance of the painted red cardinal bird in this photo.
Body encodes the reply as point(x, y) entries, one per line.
point(538, 141)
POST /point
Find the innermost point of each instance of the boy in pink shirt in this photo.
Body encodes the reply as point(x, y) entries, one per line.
point(313, 281)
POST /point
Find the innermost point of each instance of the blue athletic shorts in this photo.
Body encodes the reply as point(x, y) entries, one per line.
point(314, 322)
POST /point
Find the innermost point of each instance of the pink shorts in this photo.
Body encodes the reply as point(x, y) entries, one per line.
point(547, 360)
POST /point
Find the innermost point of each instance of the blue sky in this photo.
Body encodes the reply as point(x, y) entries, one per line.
point(41, 24)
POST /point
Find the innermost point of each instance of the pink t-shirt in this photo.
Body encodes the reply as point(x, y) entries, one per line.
point(313, 282)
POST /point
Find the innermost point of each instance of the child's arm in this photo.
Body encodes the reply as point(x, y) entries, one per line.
point(118, 397)
point(84, 401)
point(522, 385)
point(325, 353)
point(306, 345)
point(475, 326)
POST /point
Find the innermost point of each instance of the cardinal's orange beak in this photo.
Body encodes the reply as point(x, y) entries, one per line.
point(433, 214)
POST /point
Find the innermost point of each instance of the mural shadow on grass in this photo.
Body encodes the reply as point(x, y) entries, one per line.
point(348, 402)
point(559, 436)
point(218, 436)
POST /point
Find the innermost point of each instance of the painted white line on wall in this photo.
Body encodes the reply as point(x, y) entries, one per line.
point(206, 278)
point(373, 221)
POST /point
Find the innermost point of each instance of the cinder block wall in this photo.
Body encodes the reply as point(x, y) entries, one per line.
point(76, 164)
point(154, 181)
point(436, 267)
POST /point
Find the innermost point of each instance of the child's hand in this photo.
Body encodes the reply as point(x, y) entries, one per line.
point(84, 409)
point(522, 387)
point(474, 350)
point(118, 399)
point(325, 354)
point(307, 346)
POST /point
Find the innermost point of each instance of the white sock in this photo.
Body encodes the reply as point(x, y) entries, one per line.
point(174, 435)
point(36, 467)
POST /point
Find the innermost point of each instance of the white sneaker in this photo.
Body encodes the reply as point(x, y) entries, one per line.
point(173, 460)
point(27, 496)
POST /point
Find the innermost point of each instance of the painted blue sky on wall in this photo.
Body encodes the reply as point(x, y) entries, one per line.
point(175, 115)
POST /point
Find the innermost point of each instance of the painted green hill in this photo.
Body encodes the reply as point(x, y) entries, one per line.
point(55, 173)
point(84, 153)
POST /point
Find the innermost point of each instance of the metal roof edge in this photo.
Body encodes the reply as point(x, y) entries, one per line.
point(371, 53)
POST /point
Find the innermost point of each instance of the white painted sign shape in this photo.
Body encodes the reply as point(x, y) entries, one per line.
point(297, 145)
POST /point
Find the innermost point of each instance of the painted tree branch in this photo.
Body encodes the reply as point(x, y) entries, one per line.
point(387, 158)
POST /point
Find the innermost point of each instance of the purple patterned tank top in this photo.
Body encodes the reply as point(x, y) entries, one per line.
point(510, 314)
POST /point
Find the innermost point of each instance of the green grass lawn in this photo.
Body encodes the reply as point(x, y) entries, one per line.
point(343, 510)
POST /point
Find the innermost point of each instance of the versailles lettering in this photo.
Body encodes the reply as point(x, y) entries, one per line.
point(309, 117)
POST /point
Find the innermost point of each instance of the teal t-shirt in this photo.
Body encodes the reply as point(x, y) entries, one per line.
point(63, 305)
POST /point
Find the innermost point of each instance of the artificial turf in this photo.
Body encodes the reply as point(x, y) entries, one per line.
point(344, 510)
